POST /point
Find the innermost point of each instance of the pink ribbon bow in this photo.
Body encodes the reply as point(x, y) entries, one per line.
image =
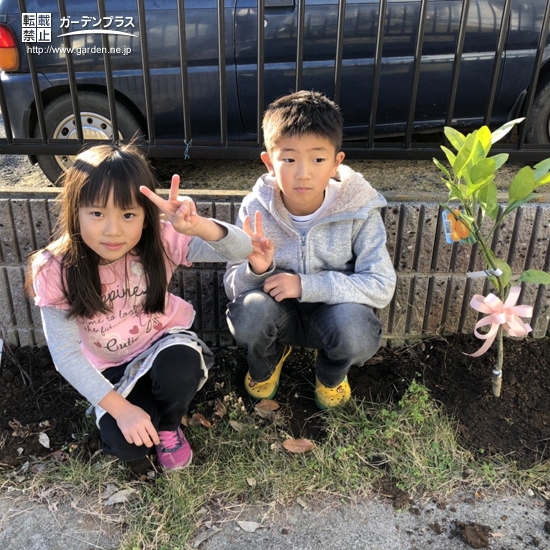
point(506, 314)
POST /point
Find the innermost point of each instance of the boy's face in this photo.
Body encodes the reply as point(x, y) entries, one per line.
point(303, 166)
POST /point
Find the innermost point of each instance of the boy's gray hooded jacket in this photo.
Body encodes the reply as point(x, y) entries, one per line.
point(343, 256)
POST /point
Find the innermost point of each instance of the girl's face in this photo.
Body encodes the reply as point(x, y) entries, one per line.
point(109, 231)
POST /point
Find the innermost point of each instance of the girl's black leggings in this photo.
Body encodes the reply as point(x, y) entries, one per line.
point(164, 393)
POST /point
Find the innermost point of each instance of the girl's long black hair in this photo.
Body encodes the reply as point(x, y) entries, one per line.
point(96, 174)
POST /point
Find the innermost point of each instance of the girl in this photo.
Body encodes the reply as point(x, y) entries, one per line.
point(114, 331)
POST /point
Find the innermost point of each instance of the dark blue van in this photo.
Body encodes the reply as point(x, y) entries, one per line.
point(201, 85)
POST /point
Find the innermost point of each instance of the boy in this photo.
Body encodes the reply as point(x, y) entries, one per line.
point(314, 281)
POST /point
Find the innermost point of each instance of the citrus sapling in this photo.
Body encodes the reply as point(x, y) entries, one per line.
point(471, 184)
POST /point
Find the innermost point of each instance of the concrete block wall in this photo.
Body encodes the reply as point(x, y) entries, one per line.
point(432, 295)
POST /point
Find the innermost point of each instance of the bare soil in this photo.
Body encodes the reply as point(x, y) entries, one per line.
point(516, 425)
point(406, 177)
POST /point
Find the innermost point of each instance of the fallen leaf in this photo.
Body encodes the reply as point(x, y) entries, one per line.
point(251, 481)
point(268, 404)
point(237, 426)
point(205, 535)
point(119, 497)
point(220, 409)
point(249, 526)
point(202, 421)
point(18, 429)
point(266, 407)
point(185, 420)
point(298, 445)
point(110, 489)
point(44, 440)
point(301, 502)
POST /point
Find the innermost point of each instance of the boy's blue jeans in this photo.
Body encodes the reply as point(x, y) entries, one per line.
point(344, 334)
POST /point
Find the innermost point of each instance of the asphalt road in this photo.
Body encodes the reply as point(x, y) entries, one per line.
point(503, 522)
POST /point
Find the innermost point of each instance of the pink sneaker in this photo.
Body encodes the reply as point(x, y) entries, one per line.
point(174, 451)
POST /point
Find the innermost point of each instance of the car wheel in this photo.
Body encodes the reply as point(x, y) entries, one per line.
point(538, 130)
point(96, 124)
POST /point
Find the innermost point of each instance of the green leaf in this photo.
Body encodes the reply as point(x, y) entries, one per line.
point(465, 154)
point(456, 193)
point(522, 185)
point(488, 200)
point(472, 189)
point(484, 135)
point(482, 170)
point(541, 172)
point(543, 180)
point(499, 133)
point(442, 168)
point(516, 204)
point(535, 276)
point(456, 139)
point(541, 168)
point(504, 278)
point(500, 160)
point(451, 157)
point(482, 173)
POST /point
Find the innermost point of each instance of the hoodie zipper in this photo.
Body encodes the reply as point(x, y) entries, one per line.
point(303, 243)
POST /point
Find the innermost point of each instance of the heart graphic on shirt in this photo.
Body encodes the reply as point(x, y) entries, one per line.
point(158, 326)
point(134, 330)
point(98, 344)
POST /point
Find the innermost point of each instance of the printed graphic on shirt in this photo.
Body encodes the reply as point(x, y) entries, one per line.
point(127, 322)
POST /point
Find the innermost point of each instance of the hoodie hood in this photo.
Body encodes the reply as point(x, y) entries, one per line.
point(355, 196)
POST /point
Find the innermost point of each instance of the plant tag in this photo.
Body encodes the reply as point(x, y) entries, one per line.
point(447, 227)
point(485, 273)
point(455, 231)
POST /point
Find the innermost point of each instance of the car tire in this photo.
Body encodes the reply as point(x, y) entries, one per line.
point(96, 124)
point(538, 130)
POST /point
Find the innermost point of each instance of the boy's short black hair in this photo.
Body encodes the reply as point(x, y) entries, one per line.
point(302, 113)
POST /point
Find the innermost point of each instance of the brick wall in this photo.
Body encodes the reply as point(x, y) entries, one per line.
point(432, 295)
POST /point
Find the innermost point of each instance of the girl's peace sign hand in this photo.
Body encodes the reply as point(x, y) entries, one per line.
point(181, 212)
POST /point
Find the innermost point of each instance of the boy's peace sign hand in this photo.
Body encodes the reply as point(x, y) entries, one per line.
point(262, 248)
point(181, 212)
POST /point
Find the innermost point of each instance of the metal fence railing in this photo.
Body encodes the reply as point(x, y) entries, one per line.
point(239, 42)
